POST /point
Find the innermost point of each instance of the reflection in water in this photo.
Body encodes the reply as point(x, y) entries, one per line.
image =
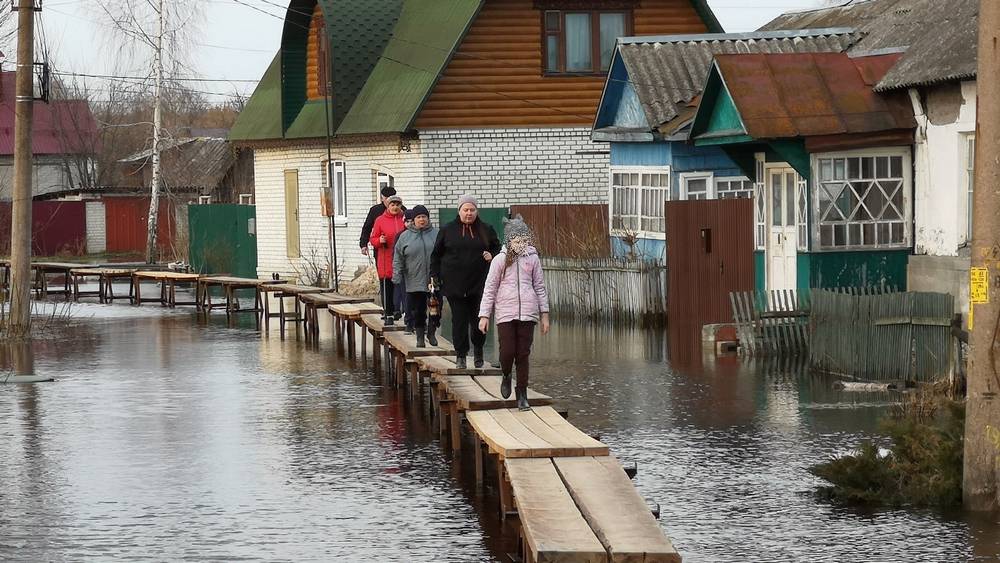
point(167, 438)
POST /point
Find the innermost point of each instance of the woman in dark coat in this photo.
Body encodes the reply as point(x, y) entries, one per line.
point(459, 264)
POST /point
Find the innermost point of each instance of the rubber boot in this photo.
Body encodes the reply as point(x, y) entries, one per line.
point(431, 337)
point(505, 386)
point(460, 363)
point(420, 338)
point(522, 399)
point(477, 357)
point(409, 329)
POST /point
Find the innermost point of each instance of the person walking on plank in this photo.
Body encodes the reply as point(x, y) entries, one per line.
point(411, 268)
point(384, 233)
point(515, 295)
point(459, 264)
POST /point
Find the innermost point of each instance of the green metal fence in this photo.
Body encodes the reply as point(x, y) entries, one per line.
point(222, 239)
point(892, 336)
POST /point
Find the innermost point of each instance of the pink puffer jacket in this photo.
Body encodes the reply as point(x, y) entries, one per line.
point(516, 292)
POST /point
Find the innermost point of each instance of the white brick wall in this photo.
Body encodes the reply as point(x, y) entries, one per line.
point(504, 167)
point(96, 227)
point(360, 160)
point(501, 167)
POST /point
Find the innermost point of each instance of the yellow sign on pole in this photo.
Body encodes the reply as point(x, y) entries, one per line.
point(979, 285)
point(979, 289)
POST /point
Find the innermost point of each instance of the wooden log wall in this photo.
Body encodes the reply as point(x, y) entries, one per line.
point(314, 56)
point(495, 79)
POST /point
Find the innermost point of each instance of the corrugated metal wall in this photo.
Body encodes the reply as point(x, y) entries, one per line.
point(709, 254)
point(126, 218)
point(57, 228)
point(569, 231)
point(220, 239)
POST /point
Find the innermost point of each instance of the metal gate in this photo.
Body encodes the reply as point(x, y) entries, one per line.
point(709, 255)
point(222, 239)
point(126, 219)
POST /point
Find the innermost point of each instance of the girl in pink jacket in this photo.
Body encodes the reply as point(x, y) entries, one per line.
point(515, 294)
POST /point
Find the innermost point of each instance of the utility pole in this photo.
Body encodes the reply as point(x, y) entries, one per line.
point(20, 240)
point(154, 190)
point(982, 415)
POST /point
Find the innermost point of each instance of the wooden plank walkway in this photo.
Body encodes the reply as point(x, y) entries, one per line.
point(281, 292)
point(583, 509)
point(347, 316)
point(105, 283)
point(43, 270)
point(539, 432)
point(230, 285)
point(168, 287)
point(313, 302)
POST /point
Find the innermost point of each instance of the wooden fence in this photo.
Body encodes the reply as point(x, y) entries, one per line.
point(618, 290)
point(569, 231)
point(771, 323)
point(895, 336)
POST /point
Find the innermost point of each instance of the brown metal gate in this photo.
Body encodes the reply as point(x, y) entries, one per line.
point(709, 255)
point(125, 221)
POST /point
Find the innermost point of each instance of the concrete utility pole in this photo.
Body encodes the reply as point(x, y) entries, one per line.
point(154, 190)
point(982, 419)
point(20, 237)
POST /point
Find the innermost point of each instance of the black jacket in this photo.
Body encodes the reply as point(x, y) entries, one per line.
point(457, 259)
point(366, 229)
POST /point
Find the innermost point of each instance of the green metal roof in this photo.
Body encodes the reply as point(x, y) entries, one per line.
point(426, 35)
point(707, 16)
point(260, 119)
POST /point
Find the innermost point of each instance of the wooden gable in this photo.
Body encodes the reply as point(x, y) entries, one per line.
point(496, 79)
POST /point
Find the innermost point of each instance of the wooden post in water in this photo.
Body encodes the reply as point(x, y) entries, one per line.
point(982, 419)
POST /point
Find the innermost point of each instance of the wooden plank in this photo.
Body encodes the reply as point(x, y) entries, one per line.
point(445, 365)
point(553, 526)
point(614, 510)
point(406, 344)
point(560, 424)
point(470, 395)
point(491, 384)
point(562, 445)
point(499, 440)
point(539, 446)
point(377, 324)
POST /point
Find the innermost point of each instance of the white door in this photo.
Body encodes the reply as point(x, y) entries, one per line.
point(781, 242)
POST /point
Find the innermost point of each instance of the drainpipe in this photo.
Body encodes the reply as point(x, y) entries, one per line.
point(921, 175)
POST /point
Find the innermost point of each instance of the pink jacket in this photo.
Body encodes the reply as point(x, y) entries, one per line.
point(516, 292)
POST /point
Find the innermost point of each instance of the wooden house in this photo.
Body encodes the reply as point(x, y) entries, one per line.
point(938, 72)
point(437, 97)
point(831, 161)
point(650, 96)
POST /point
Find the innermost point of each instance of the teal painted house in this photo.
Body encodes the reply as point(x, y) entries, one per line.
point(650, 98)
point(831, 162)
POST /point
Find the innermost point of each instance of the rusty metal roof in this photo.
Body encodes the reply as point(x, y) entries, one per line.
point(669, 72)
point(813, 94)
point(939, 35)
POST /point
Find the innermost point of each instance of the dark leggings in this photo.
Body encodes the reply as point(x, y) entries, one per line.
point(417, 301)
point(515, 346)
point(388, 296)
point(465, 323)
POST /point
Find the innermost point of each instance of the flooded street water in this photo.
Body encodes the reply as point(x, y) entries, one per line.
point(168, 437)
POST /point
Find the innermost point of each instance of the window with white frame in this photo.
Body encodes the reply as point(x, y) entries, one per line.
point(969, 142)
point(863, 200)
point(760, 205)
point(338, 173)
point(246, 199)
point(383, 180)
point(733, 188)
point(802, 212)
point(638, 197)
point(696, 185)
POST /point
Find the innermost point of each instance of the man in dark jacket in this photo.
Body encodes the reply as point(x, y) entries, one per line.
point(459, 264)
point(374, 213)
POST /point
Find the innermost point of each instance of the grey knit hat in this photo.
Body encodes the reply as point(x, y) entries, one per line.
point(462, 200)
point(516, 227)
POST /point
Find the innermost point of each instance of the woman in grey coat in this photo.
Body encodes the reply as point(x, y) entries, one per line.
point(411, 263)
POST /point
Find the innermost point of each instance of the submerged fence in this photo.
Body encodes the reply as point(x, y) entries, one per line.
point(772, 323)
point(896, 336)
point(618, 290)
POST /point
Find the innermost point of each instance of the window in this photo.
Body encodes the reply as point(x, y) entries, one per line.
point(732, 188)
point(337, 190)
point(383, 180)
point(582, 41)
point(246, 199)
point(638, 197)
point(204, 200)
point(697, 185)
point(759, 204)
point(969, 145)
point(863, 201)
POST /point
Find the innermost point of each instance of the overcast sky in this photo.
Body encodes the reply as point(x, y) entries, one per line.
point(239, 37)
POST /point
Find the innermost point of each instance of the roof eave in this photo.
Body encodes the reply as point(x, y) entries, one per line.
point(962, 77)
